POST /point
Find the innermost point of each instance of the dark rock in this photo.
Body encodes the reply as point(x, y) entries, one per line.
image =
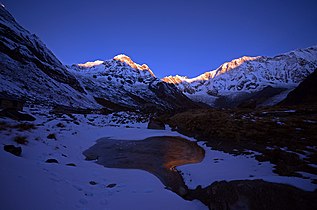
point(92, 182)
point(305, 93)
point(51, 161)
point(51, 136)
point(25, 126)
point(21, 140)
point(91, 156)
point(13, 150)
point(10, 102)
point(16, 115)
point(110, 105)
point(60, 125)
point(71, 164)
point(111, 185)
point(254, 194)
point(155, 123)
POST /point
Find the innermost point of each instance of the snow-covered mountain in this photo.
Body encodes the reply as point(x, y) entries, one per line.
point(127, 84)
point(242, 78)
point(29, 70)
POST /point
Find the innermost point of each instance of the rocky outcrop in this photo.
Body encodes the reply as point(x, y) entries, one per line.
point(16, 115)
point(305, 93)
point(155, 123)
point(13, 149)
point(254, 195)
point(12, 103)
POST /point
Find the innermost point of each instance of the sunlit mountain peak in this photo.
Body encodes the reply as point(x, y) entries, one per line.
point(211, 74)
point(126, 59)
point(235, 63)
point(175, 79)
point(90, 64)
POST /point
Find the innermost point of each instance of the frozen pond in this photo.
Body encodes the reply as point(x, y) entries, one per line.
point(157, 155)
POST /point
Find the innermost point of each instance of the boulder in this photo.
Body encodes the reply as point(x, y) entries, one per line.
point(111, 185)
point(13, 149)
point(155, 123)
point(51, 161)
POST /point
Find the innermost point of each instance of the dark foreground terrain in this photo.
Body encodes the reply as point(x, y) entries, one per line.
point(287, 137)
point(254, 194)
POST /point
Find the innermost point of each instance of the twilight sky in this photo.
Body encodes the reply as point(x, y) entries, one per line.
point(185, 37)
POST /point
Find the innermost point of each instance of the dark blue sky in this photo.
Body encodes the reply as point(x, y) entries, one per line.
point(186, 37)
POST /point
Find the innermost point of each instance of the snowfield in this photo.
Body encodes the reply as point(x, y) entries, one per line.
point(28, 182)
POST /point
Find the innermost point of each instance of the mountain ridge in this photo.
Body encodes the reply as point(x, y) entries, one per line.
point(248, 75)
point(31, 71)
point(126, 83)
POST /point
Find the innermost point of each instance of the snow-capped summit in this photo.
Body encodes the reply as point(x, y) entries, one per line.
point(249, 75)
point(177, 79)
point(128, 84)
point(210, 74)
point(126, 59)
point(120, 65)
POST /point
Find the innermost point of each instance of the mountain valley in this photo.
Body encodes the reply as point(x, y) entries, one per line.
point(242, 136)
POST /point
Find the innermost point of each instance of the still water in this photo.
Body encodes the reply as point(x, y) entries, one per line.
point(157, 155)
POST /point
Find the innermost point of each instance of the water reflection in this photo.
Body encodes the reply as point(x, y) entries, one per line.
point(157, 155)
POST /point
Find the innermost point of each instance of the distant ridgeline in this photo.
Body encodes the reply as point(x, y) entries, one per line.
point(31, 71)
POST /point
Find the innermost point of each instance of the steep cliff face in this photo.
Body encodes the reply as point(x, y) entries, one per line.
point(30, 70)
point(243, 76)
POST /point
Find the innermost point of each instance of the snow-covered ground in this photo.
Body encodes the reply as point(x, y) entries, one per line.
point(219, 166)
point(28, 182)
